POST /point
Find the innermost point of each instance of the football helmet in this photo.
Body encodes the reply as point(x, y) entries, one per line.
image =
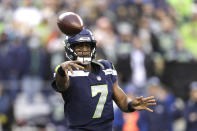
point(85, 36)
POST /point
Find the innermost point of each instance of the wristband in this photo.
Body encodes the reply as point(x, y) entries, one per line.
point(61, 71)
point(130, 109)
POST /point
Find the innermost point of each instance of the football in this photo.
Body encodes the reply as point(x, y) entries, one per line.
point(70, 23)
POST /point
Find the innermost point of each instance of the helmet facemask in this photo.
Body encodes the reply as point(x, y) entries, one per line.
point(84, 56)
point(71, 54)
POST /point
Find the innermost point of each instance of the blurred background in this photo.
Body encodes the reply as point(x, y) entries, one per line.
point(152, 43)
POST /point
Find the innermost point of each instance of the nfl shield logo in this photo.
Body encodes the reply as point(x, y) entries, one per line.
point(98, 78)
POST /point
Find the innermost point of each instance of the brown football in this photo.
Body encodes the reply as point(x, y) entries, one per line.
point(70, 23)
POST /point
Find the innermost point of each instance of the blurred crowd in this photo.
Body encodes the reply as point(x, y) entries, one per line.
point(143, 38)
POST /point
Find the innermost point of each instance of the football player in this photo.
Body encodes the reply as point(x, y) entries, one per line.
point(89, 87)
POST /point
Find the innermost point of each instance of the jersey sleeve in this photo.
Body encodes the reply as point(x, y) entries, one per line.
point(114, 76)
point(109, 69)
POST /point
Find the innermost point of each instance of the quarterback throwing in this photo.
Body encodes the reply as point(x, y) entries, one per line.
point(89, 87)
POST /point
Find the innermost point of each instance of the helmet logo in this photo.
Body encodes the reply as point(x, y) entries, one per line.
point(84, 39)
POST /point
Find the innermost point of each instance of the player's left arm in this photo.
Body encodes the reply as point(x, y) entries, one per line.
point(128, 105)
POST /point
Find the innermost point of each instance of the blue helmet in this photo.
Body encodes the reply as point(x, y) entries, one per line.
point(85, 36)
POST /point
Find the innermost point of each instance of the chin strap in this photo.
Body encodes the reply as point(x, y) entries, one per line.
point(84, 60)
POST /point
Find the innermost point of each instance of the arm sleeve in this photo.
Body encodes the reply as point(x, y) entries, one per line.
point(53, 84)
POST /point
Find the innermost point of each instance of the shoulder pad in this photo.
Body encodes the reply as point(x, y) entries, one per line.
point(106, 64)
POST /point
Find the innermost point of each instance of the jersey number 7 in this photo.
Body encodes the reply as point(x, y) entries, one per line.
point(100, 105)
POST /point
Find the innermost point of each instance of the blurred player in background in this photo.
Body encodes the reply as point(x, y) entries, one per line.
point(89, 87)
point(190, 110)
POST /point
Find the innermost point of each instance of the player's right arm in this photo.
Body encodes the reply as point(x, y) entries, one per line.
point(128, 105)
point(61, 75)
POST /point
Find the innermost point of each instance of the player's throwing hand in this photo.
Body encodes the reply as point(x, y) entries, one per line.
point(69, 65)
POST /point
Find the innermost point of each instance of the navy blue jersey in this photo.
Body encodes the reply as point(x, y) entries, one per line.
point(190, 113)
point(88, 100)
